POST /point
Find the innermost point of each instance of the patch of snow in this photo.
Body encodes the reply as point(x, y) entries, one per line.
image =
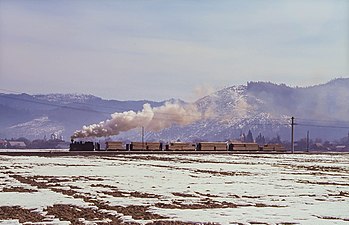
point(303, 187)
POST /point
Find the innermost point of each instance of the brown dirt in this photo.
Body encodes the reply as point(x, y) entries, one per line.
point(256, 222)
point(206, 194)
point(54, 179)
point(163, 222)
point(50, 181)
point(5, 168)
point(17, 189)
point(208, 204)
point(314, 168)
point(65, 192)
point(73, 213)
point(87, 178)
point(242, 196)
point(138, 212)
point(341, 194)
point(115, 193)
point(307, 173)
point(240, 173)
point(250, 196)
point(287, 223)
point(30, 181)
point(136, 194)
point(16, 212)
point(166, 159)
point(322, 183)
point(74, 187)
point(265, 205)
point(103, 185)
point(332, 218)
point(218, 173)
point(234, 196)
point(184, 195)
point(153, 158)
point(202, 204)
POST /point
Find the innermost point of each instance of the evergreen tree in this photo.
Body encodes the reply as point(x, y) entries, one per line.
point(249, 137)
point(260, 139)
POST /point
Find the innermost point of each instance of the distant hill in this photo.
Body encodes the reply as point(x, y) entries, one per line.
point(261, 107)
point(35, 116)
point(267, 108)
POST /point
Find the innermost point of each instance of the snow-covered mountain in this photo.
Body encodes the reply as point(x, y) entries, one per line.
point(67, 98)
point(228, 114)
point(36, 128)
point(261, 107)
point(267, 108)
point(36, 116)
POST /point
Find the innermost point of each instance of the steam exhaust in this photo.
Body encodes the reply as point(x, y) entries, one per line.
point(153, 119)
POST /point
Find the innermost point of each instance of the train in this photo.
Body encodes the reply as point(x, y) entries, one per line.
point(174, 146)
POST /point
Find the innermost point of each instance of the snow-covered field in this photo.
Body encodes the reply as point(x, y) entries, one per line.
point(147, 189)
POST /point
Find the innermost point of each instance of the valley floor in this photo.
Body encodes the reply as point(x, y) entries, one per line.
point(175, 189)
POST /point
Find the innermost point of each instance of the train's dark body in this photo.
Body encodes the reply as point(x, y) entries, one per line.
point(84, 146)
point(176, 146)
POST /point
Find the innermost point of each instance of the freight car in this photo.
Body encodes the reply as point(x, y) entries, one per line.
point(273, 147)
point(114, 146)
point(180, 146)
point(243, 147)
point(146, 146)
point(211, 146)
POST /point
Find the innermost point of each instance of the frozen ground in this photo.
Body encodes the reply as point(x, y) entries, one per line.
point(147, 189)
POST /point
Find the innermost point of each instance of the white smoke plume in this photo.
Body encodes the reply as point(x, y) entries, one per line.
point(153, 119)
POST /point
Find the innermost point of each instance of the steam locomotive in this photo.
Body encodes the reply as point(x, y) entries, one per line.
point(174, 146)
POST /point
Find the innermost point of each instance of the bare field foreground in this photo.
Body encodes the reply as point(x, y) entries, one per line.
point(175, 189)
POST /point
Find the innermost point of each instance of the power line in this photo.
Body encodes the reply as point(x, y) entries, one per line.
point(321, 120)
point(267, 124)
point(325, 126)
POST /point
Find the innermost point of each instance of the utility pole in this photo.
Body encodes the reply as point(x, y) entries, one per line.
point(292, 135)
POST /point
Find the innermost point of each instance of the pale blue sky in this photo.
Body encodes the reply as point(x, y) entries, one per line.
point(152, 49)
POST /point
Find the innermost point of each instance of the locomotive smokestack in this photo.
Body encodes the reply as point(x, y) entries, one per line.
point(153, 119)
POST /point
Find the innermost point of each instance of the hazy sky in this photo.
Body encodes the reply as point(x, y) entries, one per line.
point(159, 49)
